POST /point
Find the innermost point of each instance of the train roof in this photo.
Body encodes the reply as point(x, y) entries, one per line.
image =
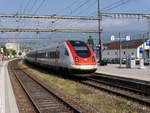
point(53, 46)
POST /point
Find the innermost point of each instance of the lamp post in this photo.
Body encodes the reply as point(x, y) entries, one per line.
point(99, 33)
point(127, 38)
point(120, 55)
point(149, 43)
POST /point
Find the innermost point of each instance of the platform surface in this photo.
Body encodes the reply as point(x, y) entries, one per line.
point(7, 98)
point(135, 73)
point(2, 88)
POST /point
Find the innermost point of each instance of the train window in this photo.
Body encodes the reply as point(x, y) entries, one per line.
point(77, 43)
point(66, 52)
point(81, 48)
point(52, 54)
point(48, 54)
point(57, 54)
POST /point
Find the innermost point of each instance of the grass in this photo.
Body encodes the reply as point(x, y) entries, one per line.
point(101, 101)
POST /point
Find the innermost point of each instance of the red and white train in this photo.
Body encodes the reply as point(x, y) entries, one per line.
point(70, 56)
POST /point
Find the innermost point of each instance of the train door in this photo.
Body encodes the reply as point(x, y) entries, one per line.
point(66, 59)
point(57, 55)
point(62, 55)
point(61, 49)
point(35, 57)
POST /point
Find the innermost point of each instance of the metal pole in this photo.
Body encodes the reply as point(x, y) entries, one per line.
point(149, 43)
point(38, 37)
point(144, 47)
point(149, 37)
point(120, 47)
point(99, 32)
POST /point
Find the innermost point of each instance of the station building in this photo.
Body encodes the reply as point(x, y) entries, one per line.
point(13, 46)
point(129, 49)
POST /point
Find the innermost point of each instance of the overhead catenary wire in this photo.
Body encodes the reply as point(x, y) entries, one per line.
point(24, 10)
point(120, 3)
point(75, 10)
point(34, 3)
point(88, 7)
point(81, 5)
point(112, 6)
point(26, 6)
point(68, 7)
point(40, 5)
point(20, 8)
point(114, 3)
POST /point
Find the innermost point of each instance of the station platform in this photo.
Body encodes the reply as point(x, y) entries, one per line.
point(7, 98)
point(135, 73)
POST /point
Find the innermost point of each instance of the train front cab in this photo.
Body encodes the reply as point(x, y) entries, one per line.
point(83, 57)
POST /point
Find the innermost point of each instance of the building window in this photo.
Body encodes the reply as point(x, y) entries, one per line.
point(107, 53)
point(66, 52)
point(132, 53)
point(115, 53)
point(124, 52)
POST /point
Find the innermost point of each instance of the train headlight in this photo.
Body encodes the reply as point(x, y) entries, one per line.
point(76, 59)
point(93, 58)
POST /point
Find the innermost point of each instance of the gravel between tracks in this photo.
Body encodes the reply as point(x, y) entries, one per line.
point(94, 100)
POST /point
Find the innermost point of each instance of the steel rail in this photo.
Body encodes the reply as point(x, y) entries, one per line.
point(138, 86)
point(26, 79)
point(131, 97)
point(129, 93)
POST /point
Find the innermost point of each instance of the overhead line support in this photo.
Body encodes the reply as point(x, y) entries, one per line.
point(47, 17)
point(48, 30)
point(99, 32)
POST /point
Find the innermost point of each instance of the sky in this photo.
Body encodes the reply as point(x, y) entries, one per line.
point(72, 8)
point(67, 6)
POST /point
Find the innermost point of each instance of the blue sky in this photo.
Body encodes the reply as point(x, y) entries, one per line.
point(66, 6)
point(89, 8)
point(74, 8)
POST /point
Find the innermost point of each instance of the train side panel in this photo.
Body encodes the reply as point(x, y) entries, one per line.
point(66, 57)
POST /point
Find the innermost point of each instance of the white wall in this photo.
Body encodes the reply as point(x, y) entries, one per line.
point(111, 54)
point(140, 55)
point(114, 54)
point(13, 46)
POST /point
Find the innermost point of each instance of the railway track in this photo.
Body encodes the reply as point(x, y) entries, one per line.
point(137, 86)
point(132, 89)
point(136, 90)
point(43, 99)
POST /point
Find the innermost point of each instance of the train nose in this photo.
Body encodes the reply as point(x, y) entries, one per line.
point(93, 59)
point(85, 59)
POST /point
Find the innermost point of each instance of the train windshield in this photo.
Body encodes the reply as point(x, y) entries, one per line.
point(81, 48)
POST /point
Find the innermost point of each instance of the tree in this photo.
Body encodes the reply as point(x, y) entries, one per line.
point(2, 49)
point(90, 41)
point(13, 53)
point(19, 53)
point(6, 53)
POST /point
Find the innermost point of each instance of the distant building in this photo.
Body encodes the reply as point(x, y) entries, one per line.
point(134, 48)
point(13, 46)
point(25, 50)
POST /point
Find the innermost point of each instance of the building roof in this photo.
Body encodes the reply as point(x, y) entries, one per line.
point(125, 44)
